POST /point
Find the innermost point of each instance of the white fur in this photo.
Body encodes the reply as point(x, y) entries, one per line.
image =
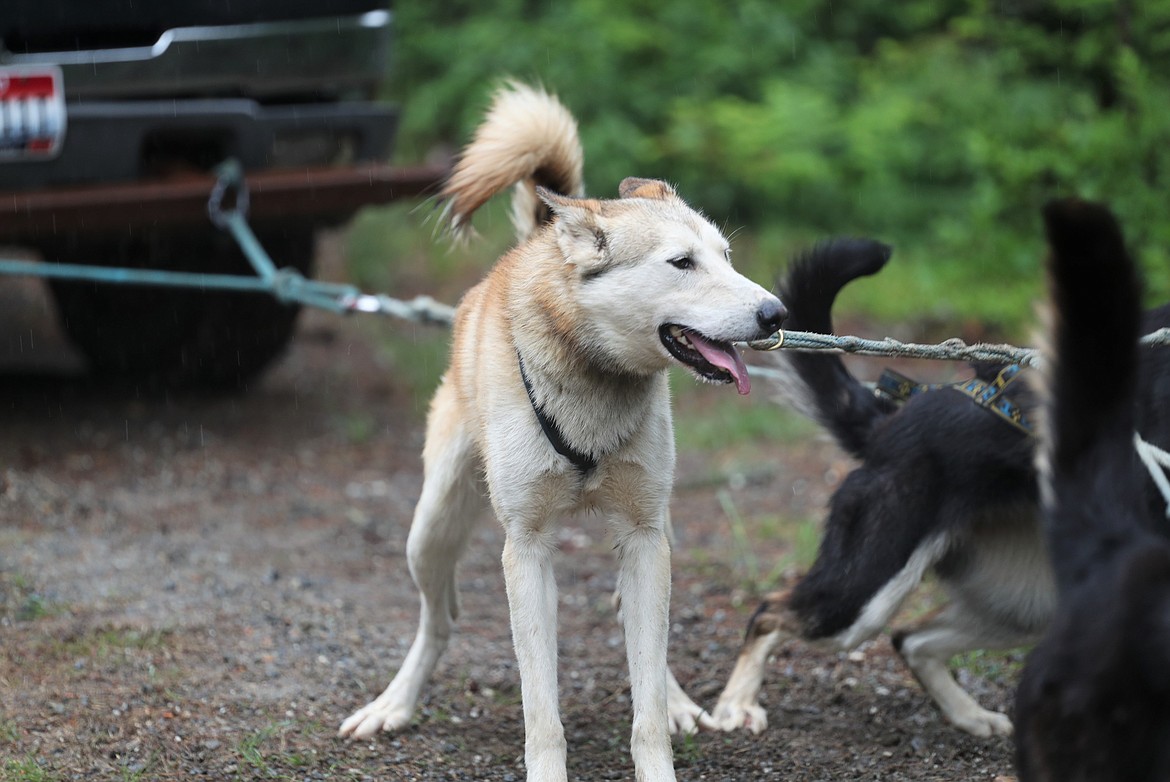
point(738, 705)
point(582, 303)
point(882, 606)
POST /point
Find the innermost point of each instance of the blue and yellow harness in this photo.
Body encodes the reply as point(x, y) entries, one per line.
point(898, 388)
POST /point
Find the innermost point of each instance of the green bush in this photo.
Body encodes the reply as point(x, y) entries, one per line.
point(939, 126)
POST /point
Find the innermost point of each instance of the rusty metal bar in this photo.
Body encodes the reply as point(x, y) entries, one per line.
point(324, 194)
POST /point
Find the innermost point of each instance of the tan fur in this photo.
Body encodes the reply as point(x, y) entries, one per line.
point(583, 301)
point(520, 118)
point(633, 187)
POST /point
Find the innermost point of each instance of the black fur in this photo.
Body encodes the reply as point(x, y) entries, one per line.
point(1094, 700)
point(942, 482)
point(926, 466)
point(845, 407)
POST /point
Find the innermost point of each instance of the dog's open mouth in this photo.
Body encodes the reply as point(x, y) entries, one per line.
point(708, 358)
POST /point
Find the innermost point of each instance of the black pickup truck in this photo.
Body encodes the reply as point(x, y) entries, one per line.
point(114, 101)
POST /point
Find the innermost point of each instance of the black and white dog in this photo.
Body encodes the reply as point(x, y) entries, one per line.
point(946, 482)
point(1094, 698)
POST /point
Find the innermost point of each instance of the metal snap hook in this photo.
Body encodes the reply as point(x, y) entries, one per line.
point(230, 181)
point(764, 344)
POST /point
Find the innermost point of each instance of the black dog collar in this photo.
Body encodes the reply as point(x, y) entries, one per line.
point(582, 461)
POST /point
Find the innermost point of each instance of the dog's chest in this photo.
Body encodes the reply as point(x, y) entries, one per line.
point(621, 488)
point(597, 415)
point(602, 426)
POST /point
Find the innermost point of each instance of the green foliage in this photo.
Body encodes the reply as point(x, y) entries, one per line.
point(939, 126)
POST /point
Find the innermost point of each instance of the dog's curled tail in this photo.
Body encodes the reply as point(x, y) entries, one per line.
point(823, 388)
point(527, 139)
point(1090, 481)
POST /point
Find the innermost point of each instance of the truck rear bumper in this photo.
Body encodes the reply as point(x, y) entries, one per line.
point(320, 195)
point(119, 141)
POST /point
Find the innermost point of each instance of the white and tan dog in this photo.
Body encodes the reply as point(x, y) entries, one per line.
point(557, 395)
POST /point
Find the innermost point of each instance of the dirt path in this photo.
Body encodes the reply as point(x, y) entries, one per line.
point(204, 588)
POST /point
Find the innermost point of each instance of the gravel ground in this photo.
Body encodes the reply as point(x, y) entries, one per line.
point(195, 587)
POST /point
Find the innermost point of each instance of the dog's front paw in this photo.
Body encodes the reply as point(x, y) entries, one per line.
point(740, 716)
point(984, 723)
point(373, 717)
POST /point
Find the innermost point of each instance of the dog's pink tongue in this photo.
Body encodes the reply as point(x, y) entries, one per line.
point(724, 357)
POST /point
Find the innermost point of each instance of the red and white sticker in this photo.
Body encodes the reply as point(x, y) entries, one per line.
point(32, 112)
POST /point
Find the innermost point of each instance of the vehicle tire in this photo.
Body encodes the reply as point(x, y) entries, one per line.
point(179, 337)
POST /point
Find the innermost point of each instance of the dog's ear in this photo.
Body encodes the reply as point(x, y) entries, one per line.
point(633, 187)
point(578, 227)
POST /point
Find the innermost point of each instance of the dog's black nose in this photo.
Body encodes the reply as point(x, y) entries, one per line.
point(771, 315)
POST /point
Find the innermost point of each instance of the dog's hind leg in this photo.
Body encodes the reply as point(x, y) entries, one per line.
point(438, 536)
point(928, 646)
point(683, 715)
point(777, 619)
point(1002, 596)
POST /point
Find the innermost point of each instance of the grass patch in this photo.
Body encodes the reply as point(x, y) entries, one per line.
point(35, 607)
point(102, 646)
point(9, 731)
point(27, 769)
point(357, 426)
point(285, 749)
point(995, 665)
point(708, 420)
point(417, 356)
point(688, 750)
point(20, 600)
point(803, 536)
point(106, 643)
point(251, 752)
point(398, 250)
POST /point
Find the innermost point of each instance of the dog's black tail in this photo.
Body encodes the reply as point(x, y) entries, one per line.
point(1094, 694)
point(1091, 482)
point(826, 390)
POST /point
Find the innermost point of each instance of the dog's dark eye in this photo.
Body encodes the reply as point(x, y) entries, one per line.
point(684, 262)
